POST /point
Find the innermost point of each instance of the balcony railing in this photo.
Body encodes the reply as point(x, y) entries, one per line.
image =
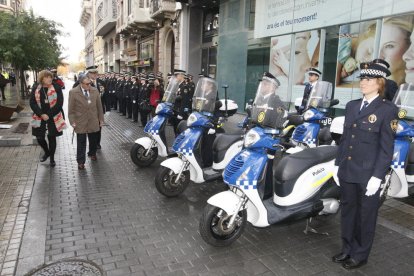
point(106, 15)
point(160, 9)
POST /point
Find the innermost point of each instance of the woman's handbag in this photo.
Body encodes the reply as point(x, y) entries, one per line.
point(145, 106)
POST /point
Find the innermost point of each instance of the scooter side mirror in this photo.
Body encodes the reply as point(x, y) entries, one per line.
point(217, 105)
point(334, 102)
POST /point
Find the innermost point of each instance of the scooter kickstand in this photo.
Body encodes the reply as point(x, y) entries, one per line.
point(308, 228)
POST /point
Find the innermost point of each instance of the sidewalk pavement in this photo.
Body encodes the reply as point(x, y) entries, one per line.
point(112, 215)
point(7, 136)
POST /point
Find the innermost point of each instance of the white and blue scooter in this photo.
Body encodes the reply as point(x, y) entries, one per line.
point(314, 131)
point(146, 149)
point(202, 155)
point(299, 186)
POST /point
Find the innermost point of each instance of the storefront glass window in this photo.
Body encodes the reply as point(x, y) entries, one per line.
point(146, 50)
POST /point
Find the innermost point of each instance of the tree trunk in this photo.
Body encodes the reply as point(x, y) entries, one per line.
point(22, 84)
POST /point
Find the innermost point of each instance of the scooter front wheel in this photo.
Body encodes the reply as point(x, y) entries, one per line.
point(215, 229)
point(141, 158)
point(166, 183)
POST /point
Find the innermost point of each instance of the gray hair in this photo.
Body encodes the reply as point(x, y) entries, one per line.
point(82, 78)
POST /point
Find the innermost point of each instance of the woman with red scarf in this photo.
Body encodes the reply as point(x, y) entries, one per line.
point(46, 102)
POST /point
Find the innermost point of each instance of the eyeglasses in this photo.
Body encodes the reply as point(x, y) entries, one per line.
point(88, 83)
point(312, 74)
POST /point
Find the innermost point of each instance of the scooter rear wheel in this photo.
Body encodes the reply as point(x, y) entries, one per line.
point(214, 228)
point(138, 155)
point(165, 182)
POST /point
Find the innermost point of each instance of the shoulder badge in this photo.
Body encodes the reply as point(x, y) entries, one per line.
point(261, 117)
point(394, 125)
point(372, 118)
point(402, 113)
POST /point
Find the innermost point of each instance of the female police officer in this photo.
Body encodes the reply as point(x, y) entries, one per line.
point(363, 158)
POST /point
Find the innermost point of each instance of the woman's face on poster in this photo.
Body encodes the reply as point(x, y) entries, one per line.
point(393, 47)
point(409, 61)
point(364, 50)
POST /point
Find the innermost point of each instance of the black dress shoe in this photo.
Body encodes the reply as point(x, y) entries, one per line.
point(352, 264)
point(44, 157)
point(52, 163)
point(98, 147)
point(340, 258)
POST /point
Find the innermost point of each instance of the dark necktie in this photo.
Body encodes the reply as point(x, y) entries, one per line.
point(364, 106)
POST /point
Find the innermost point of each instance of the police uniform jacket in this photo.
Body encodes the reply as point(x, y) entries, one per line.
point(119, 88)
point(135, 91)
point(186, 98)
point(143, 93)
point(367, 144)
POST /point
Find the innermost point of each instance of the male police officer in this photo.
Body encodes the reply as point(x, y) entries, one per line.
point(391, 86)
point(314, 75)
point(183, 106)
point(92, 73)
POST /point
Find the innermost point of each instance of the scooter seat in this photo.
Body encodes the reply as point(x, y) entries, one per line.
point(324, 136)
point(222, 143)
point(292, 166)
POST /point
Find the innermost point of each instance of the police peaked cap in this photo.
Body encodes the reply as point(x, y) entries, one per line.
point(270, 76)
point(176, 72)
point(315, 71)
point(374, 70)
point(382, 63)
point(92, 69)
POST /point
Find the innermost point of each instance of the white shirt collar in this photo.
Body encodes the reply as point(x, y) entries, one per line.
point(370, 100)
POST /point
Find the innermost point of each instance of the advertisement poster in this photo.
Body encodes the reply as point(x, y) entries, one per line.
point(279, 62)
point(394, 42)
point(278, 17)
point(306, 54)
point(355, 46)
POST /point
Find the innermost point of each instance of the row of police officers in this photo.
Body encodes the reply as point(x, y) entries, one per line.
point(137, 95)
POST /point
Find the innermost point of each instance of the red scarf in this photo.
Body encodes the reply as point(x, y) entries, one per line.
point(52, 98)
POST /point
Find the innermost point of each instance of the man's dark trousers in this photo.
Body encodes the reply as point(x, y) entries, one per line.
point(81, 146)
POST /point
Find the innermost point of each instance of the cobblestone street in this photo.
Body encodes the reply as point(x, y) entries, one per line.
point(112, 215)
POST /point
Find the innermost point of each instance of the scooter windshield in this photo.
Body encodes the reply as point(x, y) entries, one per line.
point(171, 92)
point(205, 95)
point(404, 100)
point(268, 110)
point(321, 95)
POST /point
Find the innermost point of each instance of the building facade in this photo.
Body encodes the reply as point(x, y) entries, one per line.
point(12, 6)
point(287, 37)
point(235, 41)
point(86, 20)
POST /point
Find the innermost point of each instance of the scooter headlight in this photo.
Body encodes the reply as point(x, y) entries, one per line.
point(308, 115)
point(158, 109)
point(251, 138)
point(191, 119)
